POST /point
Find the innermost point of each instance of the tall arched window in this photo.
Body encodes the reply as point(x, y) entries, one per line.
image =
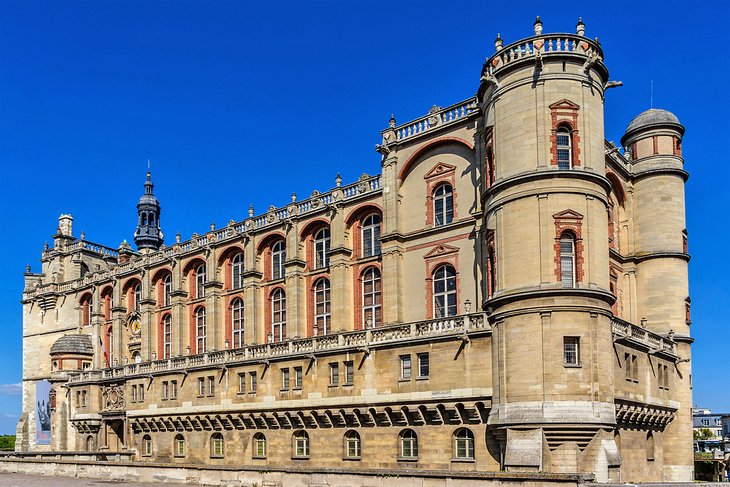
point(278, 256)
point(650, 446)
point(567, 260)
point(443, 205)
point(110, 341)
point(371, 298)
point(565, 151)
point(137, 296)
point(278, 315)
point(200, 280)
point(352, 445)
point(201, 331)
point(371, 235)
point(322, 248)
point(167, 336)
point(167, 290)
point(91, 444)
point(300, 444)
point(408, 444)
point(237, 271)
point(322, 307)
point(259, 445)
point(87, 305)
point(216, 445)
point(147, 445)
point(444, 291)
point(463, 444)
point(237, 323)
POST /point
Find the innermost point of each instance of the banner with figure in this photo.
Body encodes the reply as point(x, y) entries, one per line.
point(43, 412)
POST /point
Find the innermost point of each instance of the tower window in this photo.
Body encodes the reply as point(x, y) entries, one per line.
point(443, 205)
point(564, 148)
point(567, 260)
point(571, 350)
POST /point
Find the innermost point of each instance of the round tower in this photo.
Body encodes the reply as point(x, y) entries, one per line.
point(148, 235)
point(545, 196)
point(654, 141)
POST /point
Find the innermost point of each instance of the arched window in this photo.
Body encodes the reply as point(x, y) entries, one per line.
point(408, 444)
point(108, 304)
point(110, 340)
point(444, 291)
point(278, 315)
point(464, 444)
point(322, 248)
point(371, 235)
point(322, 307)
point(201, 331)
point(301, 444)
point(200, 280)
point(278, 256)
point(443, 205)
point(87, 305)
point(567, 260)
point(147, 445)
point(565, 151)
point(144, 219)
point(237, 323)
point(167, 290)
point(259, 445)
point(136, 357)
point(650, 446)
point(237, 271)
point(371, 298)
point(137, 297)
point(90, 443)
point(352, 445)
point(179, 446)
point(167, 336)
point(216, 445)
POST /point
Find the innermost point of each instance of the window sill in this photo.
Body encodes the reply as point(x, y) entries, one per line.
point(301, 458)
point(284, 390)
point(423, 378)
point(404, 380)
point(216, 456)
point(253, 393)
point(348, 384)
point(258, 458)
point(573, 366)
point(407, 459)
point(463, 460)
point(148, 455)
point(352, 459)
point(241, 393)
point(333, 386)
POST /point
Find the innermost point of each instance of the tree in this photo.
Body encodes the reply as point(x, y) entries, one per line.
point(702, 434)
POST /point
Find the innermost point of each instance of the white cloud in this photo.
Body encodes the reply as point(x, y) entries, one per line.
point(10, 389)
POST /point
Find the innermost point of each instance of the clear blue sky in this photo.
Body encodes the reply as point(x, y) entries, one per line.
point(238, 103)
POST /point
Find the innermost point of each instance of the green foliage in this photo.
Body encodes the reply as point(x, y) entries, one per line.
point(7, 442)
point(702, 434)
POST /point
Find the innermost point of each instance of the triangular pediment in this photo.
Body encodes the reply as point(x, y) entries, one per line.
point(441, 250)
point(564, 105)
point(568, 215)
point(439, 169)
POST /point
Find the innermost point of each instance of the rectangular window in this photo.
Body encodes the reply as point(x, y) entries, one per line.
point(173, 389)
point(297, 377)
point(147, 447)
point(631, 367)
point(423, 365)
point(285, 379)
point(349, 372)
point(165, 391)
point(134, 393)
point(571, 350)
point(141, 392)
point(241, 382)
point(253, 382)
point(334, 374)
point(405, 367)
point(211, 385)
point(201, 386)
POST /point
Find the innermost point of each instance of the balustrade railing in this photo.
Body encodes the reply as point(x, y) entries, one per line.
point(437, 117)
point(543, 44)
point(625, 329)
point(342, 340)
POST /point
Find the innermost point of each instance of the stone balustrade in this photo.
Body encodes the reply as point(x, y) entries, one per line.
point(624, 329)
point(443, 327)
point(437, 117)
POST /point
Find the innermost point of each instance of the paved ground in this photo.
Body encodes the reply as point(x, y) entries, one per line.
point(22, 480)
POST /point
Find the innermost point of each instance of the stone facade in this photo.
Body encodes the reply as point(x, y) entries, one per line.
point(509, 294)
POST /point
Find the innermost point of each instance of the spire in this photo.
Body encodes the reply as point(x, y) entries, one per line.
point(148, 235)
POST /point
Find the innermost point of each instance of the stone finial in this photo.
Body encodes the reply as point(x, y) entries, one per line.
point(178, 237)
point(250, 211)
point(27, 268)
point(537, 26)
point(45, 245)
point(498, 42)
point(293, 197)
point(580, 27)
point(391, 122)
point(83, 235)
point(212, 226)
point(338, 180)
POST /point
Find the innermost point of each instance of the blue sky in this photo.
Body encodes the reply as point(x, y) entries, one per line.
point(244, 103)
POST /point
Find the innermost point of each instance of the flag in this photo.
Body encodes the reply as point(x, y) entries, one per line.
point(103, 351)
